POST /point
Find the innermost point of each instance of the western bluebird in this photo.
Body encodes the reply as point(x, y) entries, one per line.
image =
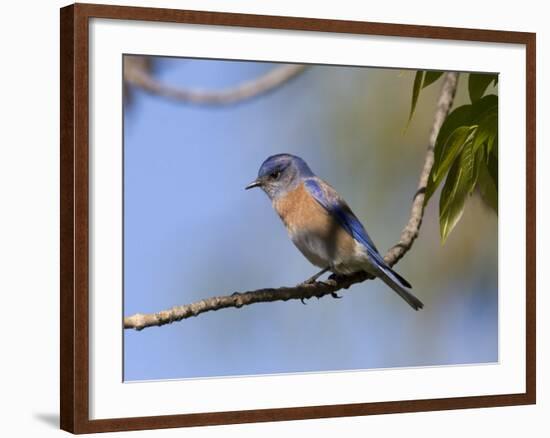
point(322, 225)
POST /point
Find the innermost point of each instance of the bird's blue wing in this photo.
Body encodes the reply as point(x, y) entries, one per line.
point(337, 207)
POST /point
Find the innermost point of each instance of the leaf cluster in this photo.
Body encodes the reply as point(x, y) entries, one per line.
point(466, 150)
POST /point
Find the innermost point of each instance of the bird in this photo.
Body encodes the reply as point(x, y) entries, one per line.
point(322, 225)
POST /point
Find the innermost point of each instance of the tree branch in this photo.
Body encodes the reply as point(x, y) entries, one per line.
point(330, 286)
point(136, 74)
point(410, 232)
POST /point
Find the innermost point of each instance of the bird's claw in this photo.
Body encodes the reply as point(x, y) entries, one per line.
point(307, 282)
point(335, 295)
point(336, 278)
point(303, 302)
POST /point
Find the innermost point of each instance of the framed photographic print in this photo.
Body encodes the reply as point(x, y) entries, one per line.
point(272, 218)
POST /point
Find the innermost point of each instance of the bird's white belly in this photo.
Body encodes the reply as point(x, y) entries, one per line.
point(324, 253)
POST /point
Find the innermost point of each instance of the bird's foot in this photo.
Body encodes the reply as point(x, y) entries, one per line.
point(307, 282)
point(314, 278)
point(336, 277)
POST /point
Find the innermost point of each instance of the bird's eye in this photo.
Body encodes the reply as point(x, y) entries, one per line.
point(275, 175)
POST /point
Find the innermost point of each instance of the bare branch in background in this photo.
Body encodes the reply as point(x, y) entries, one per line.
point(136, 73)
point(134, 63)
point(330, 286)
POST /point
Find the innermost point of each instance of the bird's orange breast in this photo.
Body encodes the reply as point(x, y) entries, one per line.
point(302, 214)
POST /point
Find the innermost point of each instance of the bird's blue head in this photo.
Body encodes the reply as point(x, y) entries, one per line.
point(280, 174)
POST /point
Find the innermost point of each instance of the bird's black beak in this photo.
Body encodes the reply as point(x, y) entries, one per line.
point(255, 183)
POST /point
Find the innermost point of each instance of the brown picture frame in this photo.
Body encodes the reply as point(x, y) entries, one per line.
point(74, 356)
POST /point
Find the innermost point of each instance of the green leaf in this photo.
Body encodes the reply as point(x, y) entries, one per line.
point(431, 187)
point(417, 86)
point(451, 203)
point(485, 114)
point(488, 167)
point(492, 147)
point(453, 147)
point(449, 150)
point(479, 161)
point(469, 160)
point(487, 130)
point(460, 182)
point(431, 77)
point(459, 117)
point(465, 116)
point(492, 140)
point(483, 107)
point(488, 187)
point(478, 83)
point(492, 166)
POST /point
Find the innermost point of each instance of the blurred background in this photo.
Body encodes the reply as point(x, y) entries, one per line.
point(191, 230)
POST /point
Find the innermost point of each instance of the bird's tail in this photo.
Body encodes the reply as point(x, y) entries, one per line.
point(399, 285)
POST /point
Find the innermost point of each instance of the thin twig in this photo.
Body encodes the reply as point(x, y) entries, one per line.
point(136, 75)
point(320, 288)
point(410, 232)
